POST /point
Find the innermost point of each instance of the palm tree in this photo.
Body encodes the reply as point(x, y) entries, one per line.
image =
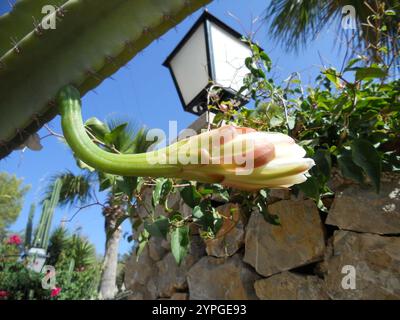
point(73, 247)
point(57, 244)
point(80, 190)
point(294, 23)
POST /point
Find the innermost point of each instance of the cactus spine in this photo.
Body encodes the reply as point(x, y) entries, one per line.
point(49, 206)
point(92, 40)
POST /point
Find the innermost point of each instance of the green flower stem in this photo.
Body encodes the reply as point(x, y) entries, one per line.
point(69, 102)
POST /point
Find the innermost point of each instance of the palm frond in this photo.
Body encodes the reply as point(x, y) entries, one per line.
point(132, 138)
point(295, 23)
point(57, 244)
point(82, 251)
point(76, 189)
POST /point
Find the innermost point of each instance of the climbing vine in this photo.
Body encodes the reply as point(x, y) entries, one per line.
point(349, 119)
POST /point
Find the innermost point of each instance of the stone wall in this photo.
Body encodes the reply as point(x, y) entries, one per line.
point(310, 255)
point(303, 258)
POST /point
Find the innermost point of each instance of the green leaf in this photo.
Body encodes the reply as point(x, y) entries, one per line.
point(157, 191)
point(221, 192)
point(332, 75)
point(348, 168)
point(275, 121)
point(190, 196)
point(143, 239)
point(127, 185)
point(106, 180)
point(159, 228)
point(267, 60)
point(310, 188)
point(180, 243)
point(198, 213)
point(111, 137)
point(161, 191)
point(207, 217)
point(140, 183)
point(370, 73)
point(367, 157)
point(249, 63)
point(137, 222)
point(263, 193)
point(97, 127)
point(262, 206)
point(176, 217)
point(323, 165)
point(205, 189)
point(390, 12)
point(84, 166)
point(351, 63)
point(291, 122)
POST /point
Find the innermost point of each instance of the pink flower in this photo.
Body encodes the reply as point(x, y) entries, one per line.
point(55, 292)
point(3, 294)
point(14, 239)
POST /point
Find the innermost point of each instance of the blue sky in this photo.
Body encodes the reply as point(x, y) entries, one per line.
point(143, 91)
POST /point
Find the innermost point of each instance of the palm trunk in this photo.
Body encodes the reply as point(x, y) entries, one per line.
point(108, 283)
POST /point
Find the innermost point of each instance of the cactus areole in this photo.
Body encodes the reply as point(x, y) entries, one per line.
point(91, 41)
point(233, 156)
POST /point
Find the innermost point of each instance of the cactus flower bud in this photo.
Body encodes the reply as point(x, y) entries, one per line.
point(237, 157)
point(242, 158)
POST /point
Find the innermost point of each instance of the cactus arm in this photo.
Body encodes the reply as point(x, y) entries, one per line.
point(55, 196)
point(42, 224)
point(29, 226)
point(42, 234)
point(69, 103)
point(92, 40)
point(19, 22)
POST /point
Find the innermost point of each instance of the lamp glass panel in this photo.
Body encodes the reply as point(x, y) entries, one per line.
point(190, 66)
point(228, 54)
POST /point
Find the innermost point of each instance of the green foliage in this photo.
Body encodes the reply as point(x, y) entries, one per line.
point(63, 247)
point(353, 126)
point(15, 279)
point(21, 283)
point(377, 23)
point(161, 190)
point(57, 245)
point(78, 269)
point(74, 258)
point(190, 195)
point(370, 73)
point(367, 157)
point(349, 120)
point(180, 243)
point(12, 192)
point(207, 218)
point(158, 228)
point(75, 189)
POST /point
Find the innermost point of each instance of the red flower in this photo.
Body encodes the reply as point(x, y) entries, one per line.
point(55, 292)
point(3, 294)
point(14, 239)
